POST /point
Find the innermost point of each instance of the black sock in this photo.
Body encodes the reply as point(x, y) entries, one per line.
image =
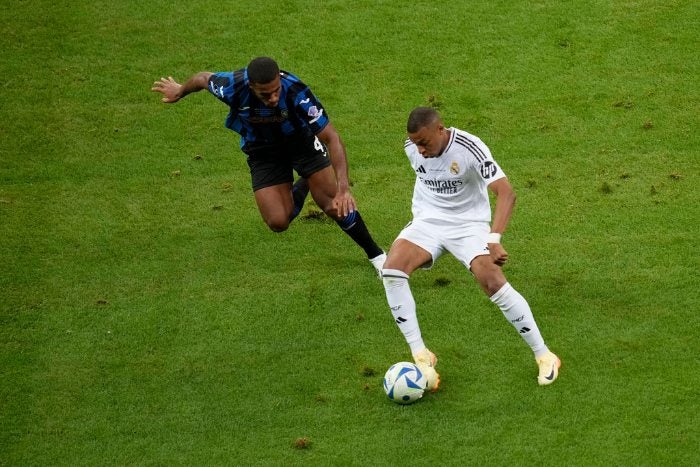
point(299, 191)
point(355, 227)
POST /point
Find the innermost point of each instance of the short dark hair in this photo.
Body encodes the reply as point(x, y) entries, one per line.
point(262, 70)
point(421, 117)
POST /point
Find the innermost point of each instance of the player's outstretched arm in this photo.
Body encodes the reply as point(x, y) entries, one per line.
point(173, 91)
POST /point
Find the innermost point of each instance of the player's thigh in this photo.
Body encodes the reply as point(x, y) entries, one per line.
point(406, 256)
point(275, 204)
point(427, 246)
point(323, 187)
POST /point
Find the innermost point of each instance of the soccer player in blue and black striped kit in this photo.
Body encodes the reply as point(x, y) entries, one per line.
point(284, 128)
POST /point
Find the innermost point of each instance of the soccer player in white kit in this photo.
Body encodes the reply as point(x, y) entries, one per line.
point(451, 213)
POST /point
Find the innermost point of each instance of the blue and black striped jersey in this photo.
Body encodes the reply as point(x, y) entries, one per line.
point(298, 109)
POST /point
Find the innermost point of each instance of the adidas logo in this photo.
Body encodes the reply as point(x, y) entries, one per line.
point(524, 330)
point(421, 170)
point(400, 320)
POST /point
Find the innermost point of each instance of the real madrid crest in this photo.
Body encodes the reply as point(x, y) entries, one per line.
point(454, 168)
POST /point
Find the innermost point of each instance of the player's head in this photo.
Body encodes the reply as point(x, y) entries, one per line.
point(264, 80)
point(426, 131)
point(262, 70)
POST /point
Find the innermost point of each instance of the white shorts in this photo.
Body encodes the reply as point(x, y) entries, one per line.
point(464, 242)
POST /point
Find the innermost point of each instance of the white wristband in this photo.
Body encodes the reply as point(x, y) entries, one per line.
point(493, 237)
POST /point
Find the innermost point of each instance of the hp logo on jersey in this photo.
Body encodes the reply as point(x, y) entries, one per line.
point(488, 169)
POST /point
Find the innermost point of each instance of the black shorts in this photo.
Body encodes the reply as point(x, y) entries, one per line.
point(272, 164)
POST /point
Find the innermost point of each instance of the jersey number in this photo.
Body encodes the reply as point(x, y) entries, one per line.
point(318, 145)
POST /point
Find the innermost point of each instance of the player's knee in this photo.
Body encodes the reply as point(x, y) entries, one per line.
point(491, 280)
point(277, 225)
point(325, 203)
point(493, 284)
point(331, 212)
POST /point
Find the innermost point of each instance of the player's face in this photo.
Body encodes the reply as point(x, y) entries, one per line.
point(430, 140)
point(268, 93)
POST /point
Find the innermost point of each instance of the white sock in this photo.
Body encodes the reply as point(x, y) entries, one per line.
point(403, 307)
point(516, 310)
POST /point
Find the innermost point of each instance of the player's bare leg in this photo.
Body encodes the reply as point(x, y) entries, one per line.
point(275, 205)
point(322, 185)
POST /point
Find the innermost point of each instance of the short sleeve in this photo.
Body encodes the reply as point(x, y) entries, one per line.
point(488, 168)
point(221, 86)
point(309, 109)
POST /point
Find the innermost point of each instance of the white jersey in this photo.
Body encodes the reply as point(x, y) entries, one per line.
point(451, 188)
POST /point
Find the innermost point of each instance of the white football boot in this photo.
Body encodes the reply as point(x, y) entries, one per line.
point(426, 361)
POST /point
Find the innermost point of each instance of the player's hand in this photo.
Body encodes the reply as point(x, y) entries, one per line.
point(344, 203)
point(499, 255)
point(169, 88)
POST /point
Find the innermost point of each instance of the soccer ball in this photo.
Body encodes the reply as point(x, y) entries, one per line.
point(404, 383)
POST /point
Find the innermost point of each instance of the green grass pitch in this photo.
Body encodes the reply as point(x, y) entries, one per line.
point(148, 317)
